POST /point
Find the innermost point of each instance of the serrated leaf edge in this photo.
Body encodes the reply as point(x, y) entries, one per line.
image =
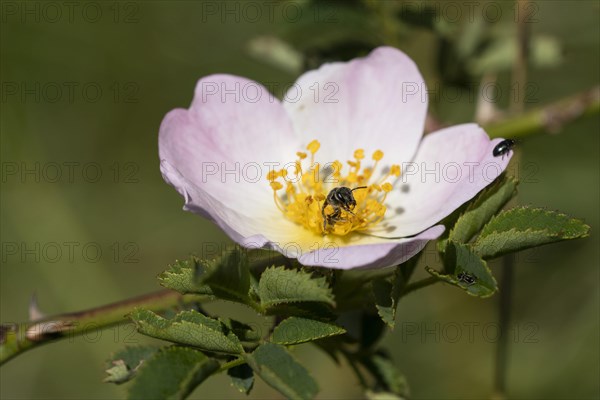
point(322, 280)
point(340, 331)
point(252, 362)
point(476, 203)
point(171, 323)
point(535, 209)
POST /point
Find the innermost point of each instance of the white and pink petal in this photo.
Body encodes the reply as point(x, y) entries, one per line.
point(451, 166)
point(375, 102)
point(227, 141)
point(370, 252)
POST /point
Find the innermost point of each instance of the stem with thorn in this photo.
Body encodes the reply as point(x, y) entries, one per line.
point(16, 338)
point(549, 118)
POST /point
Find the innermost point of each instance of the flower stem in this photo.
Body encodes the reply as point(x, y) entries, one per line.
point(411, 287)
point(231, 364)
point(352, 362)
point(570, 111)
point(502, 347)
point(550, 118)
point(16, 338)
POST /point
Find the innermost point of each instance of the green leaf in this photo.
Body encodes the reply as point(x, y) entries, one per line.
point(172, 373)
point(242, 378)
point(295, 330)
point(119, 372)
point(384, 301)
point(278, 285)
point(183, 276)
point(228, 276)
point(388, 377)
point(488, 203)
point(523, 227)
point(276, 366)
point(124, 363)
point(190, 328)
point(462, 264)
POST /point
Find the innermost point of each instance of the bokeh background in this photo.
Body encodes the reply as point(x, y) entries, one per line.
point(85, 88)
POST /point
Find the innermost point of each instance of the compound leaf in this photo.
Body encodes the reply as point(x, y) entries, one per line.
point(189, 328)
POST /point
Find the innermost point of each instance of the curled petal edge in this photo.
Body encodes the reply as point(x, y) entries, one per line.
point(377, 253)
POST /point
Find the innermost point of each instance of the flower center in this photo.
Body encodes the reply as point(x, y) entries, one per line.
point(324, 201)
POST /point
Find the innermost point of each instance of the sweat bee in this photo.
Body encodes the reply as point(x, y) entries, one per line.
point(340, 199)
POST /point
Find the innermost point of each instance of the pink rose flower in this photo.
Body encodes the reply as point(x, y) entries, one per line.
point(261, 168)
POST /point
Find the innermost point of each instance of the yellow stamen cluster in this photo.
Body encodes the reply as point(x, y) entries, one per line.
point(305, 190)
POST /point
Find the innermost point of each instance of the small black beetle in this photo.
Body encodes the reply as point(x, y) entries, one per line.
point(503, 148)
point(465, 278)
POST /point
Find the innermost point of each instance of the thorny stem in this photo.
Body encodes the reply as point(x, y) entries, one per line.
point(18, 338)
point(550, 118)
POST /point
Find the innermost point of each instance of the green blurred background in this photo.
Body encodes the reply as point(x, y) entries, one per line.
point(145, 57)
